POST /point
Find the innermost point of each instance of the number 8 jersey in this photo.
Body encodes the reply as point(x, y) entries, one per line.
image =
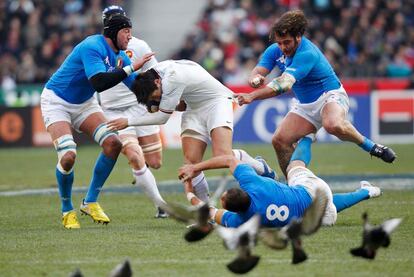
point(277, 203)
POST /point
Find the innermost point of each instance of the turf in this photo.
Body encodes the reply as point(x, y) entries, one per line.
point(35, 167)
point(34, 243)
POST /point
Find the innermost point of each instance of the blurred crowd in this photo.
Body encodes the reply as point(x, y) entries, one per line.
point(361, 38)
point(37, 35)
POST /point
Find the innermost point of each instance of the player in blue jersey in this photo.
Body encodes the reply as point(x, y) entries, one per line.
point(276, 202)
point(321, 98)
point(95, 64)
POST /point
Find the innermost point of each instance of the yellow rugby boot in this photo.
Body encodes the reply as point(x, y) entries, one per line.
point(70, 220)
point(95, 211)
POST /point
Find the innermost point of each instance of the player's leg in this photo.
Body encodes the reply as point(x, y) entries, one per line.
point(298, 174)
point(292, 128)
point(302, 156)
point(194, 146)
point(221, 140)
point(346, 200)
point(142, 174)
point(95, 126)
point(152, 148)
point(56, 115)
point(65, 146)
point(334, 121)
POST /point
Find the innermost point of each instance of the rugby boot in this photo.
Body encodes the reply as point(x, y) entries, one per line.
point(70, 220)
point(383, 152)
point(95, 211)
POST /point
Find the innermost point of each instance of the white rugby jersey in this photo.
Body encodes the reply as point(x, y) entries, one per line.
point(120, 96)
point(188, 81)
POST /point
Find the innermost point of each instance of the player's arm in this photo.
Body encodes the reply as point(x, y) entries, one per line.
point(102, 81)
point(189, 171)
point(276, 87)
point(157, 118)
point(257, 76)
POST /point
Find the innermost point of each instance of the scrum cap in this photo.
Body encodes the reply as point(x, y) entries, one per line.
point(113, 24)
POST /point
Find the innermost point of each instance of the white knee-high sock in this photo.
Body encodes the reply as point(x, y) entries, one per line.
point(146, 180)
point(245, 157)
point(200, 187)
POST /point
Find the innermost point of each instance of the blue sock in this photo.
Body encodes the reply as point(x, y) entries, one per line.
point(367, 144)
point(303, 151)
point(344, 201)
point(65, 182)
point(103, 168)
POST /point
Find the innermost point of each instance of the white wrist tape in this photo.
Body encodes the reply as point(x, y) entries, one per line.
point(190, 196)
point(128, 69)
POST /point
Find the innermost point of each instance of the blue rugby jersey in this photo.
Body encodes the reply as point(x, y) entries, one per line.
point(91, 56)
point(312, 71)
point(277, 203)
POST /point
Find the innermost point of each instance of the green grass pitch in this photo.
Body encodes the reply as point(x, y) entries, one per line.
point(33, 242)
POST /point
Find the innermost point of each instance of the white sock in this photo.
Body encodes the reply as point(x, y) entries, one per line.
point(146, 181)
point(244, 157)
point(200, 187)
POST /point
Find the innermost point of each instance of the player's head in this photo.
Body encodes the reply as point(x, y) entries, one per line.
point(287, 32)
point(147, 89)
point(235, 200)
point(111, 10)
point(117, 27)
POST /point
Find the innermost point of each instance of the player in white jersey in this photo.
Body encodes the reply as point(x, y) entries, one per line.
point(141, 145)
point(208, 115)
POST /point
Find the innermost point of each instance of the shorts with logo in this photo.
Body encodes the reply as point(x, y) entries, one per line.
point(199, 123)
point(312, 112)
point(55, 109)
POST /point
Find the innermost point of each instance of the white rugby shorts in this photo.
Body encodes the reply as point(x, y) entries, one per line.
point(312, 111)
point(55, 109)
point(199, 123)
point(301, 176)
point(129, 112)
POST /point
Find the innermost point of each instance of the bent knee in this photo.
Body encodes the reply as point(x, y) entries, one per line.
point(112, 144)
point(154, 164)
point(334, 127)
point(68, 160)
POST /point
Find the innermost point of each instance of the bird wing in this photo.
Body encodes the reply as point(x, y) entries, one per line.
point(390, 225)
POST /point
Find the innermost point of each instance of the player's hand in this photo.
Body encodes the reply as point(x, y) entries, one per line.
point(141, 61)
point(244, 98)
point(186, 172)
point(118, 124)
point(256, 80)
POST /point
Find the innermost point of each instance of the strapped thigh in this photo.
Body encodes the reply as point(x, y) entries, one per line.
point(102, 132)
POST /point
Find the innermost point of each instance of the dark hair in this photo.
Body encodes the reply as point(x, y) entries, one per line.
point(293, 23)
point(237, 200)
point(144, 85)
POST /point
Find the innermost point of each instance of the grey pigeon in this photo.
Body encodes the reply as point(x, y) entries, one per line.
point(242, 239)
point(122, 270)
point(374, 237)
point(196, 216)
point(307, 225)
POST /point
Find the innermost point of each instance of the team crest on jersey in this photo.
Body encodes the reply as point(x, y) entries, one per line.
point(119, 62)
point(129, 53)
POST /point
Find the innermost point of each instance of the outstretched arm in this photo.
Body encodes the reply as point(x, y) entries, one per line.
point(188, 171)
point(276, 87)
point(157, 118)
